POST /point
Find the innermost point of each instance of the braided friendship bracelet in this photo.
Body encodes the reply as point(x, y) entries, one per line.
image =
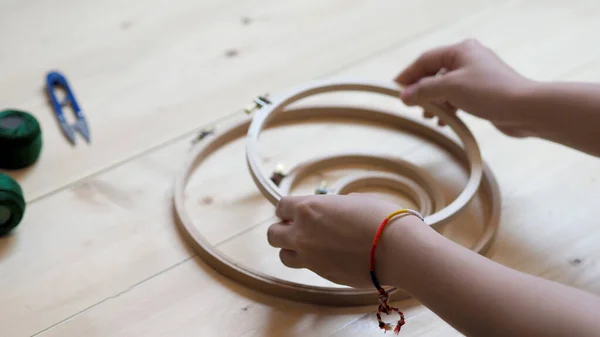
point(384, 296)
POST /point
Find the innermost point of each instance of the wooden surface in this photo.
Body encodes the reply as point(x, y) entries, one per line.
point(97, 253)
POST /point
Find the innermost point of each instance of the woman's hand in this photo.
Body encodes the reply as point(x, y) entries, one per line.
point(470, 77)
point(332, 236)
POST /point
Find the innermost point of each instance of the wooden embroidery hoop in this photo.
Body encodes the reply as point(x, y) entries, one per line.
point(414, 182)
point(330, 295)
point(270, 111)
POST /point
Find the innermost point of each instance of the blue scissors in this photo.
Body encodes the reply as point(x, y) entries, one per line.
point(55, 79)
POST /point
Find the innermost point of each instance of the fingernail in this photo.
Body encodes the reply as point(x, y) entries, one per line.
point(407, 93)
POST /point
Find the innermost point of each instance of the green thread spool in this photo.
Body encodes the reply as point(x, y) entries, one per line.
point(12, 204)
point(20, 139)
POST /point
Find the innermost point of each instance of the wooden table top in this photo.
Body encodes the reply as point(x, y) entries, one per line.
point(98, 253)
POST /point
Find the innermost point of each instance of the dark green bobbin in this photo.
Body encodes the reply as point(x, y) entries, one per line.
point(12, 204)
point(20, 139)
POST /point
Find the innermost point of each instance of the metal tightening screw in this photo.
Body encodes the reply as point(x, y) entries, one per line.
point(203, 135)
point(322, 189)
point(258, 103)
point(278, 174)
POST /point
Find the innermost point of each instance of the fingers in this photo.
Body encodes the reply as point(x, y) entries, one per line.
point(428, 64)
point(431, 78)
point(290, 259)
point(511, 131)
point(279, 236)
point(428, 89)
point(429, 115)
point(447, 106)
point(285, 209)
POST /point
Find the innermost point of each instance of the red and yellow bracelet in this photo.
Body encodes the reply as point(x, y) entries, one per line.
point(384, 306)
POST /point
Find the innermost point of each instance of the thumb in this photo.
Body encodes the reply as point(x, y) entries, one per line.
point(428, 89)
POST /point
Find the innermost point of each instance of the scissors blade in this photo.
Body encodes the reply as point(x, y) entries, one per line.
point(68, 132)
point(82, 127)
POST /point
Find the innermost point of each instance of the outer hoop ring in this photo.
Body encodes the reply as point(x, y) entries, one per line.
point(300, 292)
point(273, 193)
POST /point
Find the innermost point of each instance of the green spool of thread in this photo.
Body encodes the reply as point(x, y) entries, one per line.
point(12, 204)
point(20, 139)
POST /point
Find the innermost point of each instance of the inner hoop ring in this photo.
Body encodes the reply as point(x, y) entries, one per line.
point(413, 181)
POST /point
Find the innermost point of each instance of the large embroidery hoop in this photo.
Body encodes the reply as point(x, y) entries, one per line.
point(268, 284)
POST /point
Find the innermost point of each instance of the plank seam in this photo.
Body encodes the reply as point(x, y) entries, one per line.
point(380, 52)
point(114, 296)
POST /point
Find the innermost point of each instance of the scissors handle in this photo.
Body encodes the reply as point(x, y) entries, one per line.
point(54, 79)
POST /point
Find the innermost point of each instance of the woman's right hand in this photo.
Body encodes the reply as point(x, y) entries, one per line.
point(470, 77)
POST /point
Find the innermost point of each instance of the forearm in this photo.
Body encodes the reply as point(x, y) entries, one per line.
point(482, 298)
point(565, 113)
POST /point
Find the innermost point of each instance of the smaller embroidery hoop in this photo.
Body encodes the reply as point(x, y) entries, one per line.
point(276, 106)
point(428, 198)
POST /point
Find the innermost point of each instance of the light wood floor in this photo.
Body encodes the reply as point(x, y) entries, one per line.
point(98, 254)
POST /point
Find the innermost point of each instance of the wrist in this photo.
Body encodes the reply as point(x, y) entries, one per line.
point(525, 104)
point(396, 256)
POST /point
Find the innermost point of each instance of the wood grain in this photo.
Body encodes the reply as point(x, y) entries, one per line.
point(536, 248)
point(101, 256)
point(152, 63)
